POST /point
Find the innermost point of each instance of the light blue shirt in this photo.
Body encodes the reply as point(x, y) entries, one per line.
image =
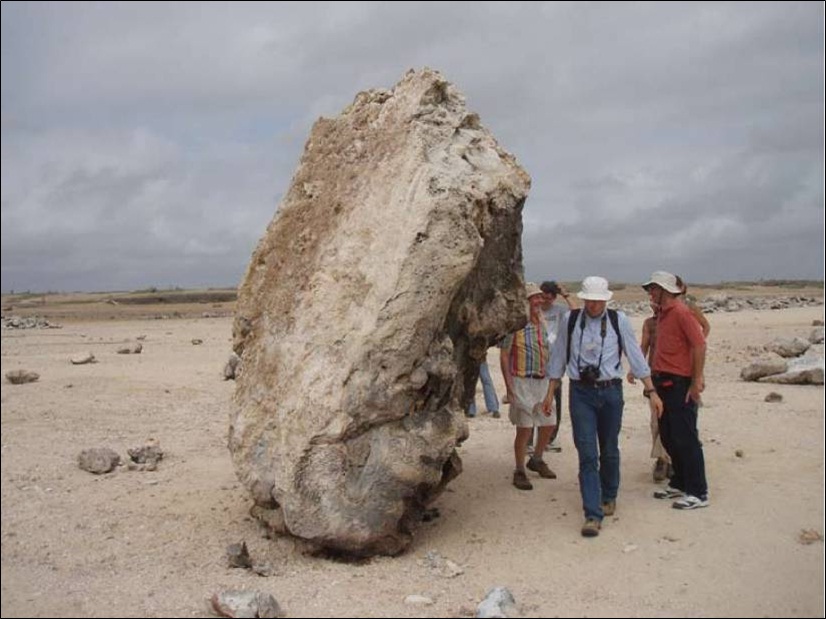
point(585, 350)
point(554, 316)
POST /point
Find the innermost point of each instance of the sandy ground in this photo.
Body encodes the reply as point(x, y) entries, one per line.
point(153, 543)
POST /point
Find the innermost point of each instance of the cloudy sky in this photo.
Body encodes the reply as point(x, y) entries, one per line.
point(150, 144)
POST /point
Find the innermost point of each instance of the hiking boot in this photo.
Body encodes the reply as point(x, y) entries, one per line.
point(660, 470)
point(590, 528)
point(520, 480)
point(495, 414)
point(690, 502)
point(609, 507)
point(538, 466)
point(668, 493)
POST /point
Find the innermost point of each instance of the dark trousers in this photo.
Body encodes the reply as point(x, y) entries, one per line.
point(558, 403)
point(678, 432)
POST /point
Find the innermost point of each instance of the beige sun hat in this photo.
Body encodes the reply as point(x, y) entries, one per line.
point(595, 289)
point(532, 289)
point(665, 280)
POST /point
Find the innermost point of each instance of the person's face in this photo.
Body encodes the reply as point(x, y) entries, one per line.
point(548, 300)
point(595, 308)
point(536, 302)
point(655, 295)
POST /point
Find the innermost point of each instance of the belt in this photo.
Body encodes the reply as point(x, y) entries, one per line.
point(536, 376)
point(666, 376)
point(600, 384)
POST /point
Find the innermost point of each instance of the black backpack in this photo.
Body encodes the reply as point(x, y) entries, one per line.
point(572, 318)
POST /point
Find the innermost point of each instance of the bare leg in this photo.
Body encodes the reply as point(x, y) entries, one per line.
point(543, 438)
point(520, 446)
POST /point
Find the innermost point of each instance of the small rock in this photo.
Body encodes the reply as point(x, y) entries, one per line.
point(738, 453)
point(231, 368)
point(773, 397)
point(98, 460)
point(150, 453)
point(20, 377)
point(809, 536)
point(238, 555)
point(83, 359)
point(499, 602)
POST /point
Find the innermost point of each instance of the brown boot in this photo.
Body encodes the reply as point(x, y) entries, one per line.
point(538, 466)
point(591, 528)
point(521, 481)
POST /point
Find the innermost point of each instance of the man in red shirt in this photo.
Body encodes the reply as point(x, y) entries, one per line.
point(679, 361)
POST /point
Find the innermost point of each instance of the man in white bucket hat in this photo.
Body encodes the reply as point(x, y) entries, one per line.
point(588, 346)
point(678, 366)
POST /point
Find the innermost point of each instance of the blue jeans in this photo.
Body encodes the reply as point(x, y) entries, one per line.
point(491, 401)
point(596, 419)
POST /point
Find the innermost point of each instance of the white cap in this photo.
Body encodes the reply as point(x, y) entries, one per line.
point(532, 290)
point(664, 280)
point(595, 289)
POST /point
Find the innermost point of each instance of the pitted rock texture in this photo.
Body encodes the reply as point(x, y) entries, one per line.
point(392, 264)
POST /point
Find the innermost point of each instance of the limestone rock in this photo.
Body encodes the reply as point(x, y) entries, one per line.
point(764, 366)
point(499, 602)
point(98, 460)
point(20, 377)
point(393, 262)
point(805, 370)
point(788, 346)
point(231, 367)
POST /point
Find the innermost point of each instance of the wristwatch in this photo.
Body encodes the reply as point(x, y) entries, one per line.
point(647, 392)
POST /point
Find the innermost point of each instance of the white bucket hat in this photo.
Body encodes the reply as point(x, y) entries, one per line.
point(532, 290)
point(595, 289)
point(665, 280)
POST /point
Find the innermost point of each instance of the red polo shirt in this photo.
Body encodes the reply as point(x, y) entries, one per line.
point(677, 333)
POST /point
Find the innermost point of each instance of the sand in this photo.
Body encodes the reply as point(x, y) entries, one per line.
point(144, 543)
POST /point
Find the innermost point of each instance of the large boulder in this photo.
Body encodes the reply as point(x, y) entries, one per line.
point(392, 264)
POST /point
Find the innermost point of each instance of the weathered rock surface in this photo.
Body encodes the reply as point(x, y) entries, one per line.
point(98, 460)
point(393, 262)
point(20, 377)
point(788, 346)
point(766, 365)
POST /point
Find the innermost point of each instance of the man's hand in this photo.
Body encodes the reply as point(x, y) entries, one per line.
point(697, 386)
point(656, 404)
point(548, 405)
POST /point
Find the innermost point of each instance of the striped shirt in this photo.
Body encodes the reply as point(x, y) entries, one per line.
point(528, 350)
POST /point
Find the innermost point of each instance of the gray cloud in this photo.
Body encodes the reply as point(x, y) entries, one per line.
point(149, 144)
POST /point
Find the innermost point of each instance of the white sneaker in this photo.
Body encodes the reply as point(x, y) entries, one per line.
point(553, 446)
point(668, 493)
point(690, 501)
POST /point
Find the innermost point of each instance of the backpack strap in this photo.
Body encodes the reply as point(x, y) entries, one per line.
point(571, 324)
point(614, 318)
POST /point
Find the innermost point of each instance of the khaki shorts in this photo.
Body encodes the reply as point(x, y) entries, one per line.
point(526, 409)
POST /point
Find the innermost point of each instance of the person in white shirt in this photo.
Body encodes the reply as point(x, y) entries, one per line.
point(553, 314)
